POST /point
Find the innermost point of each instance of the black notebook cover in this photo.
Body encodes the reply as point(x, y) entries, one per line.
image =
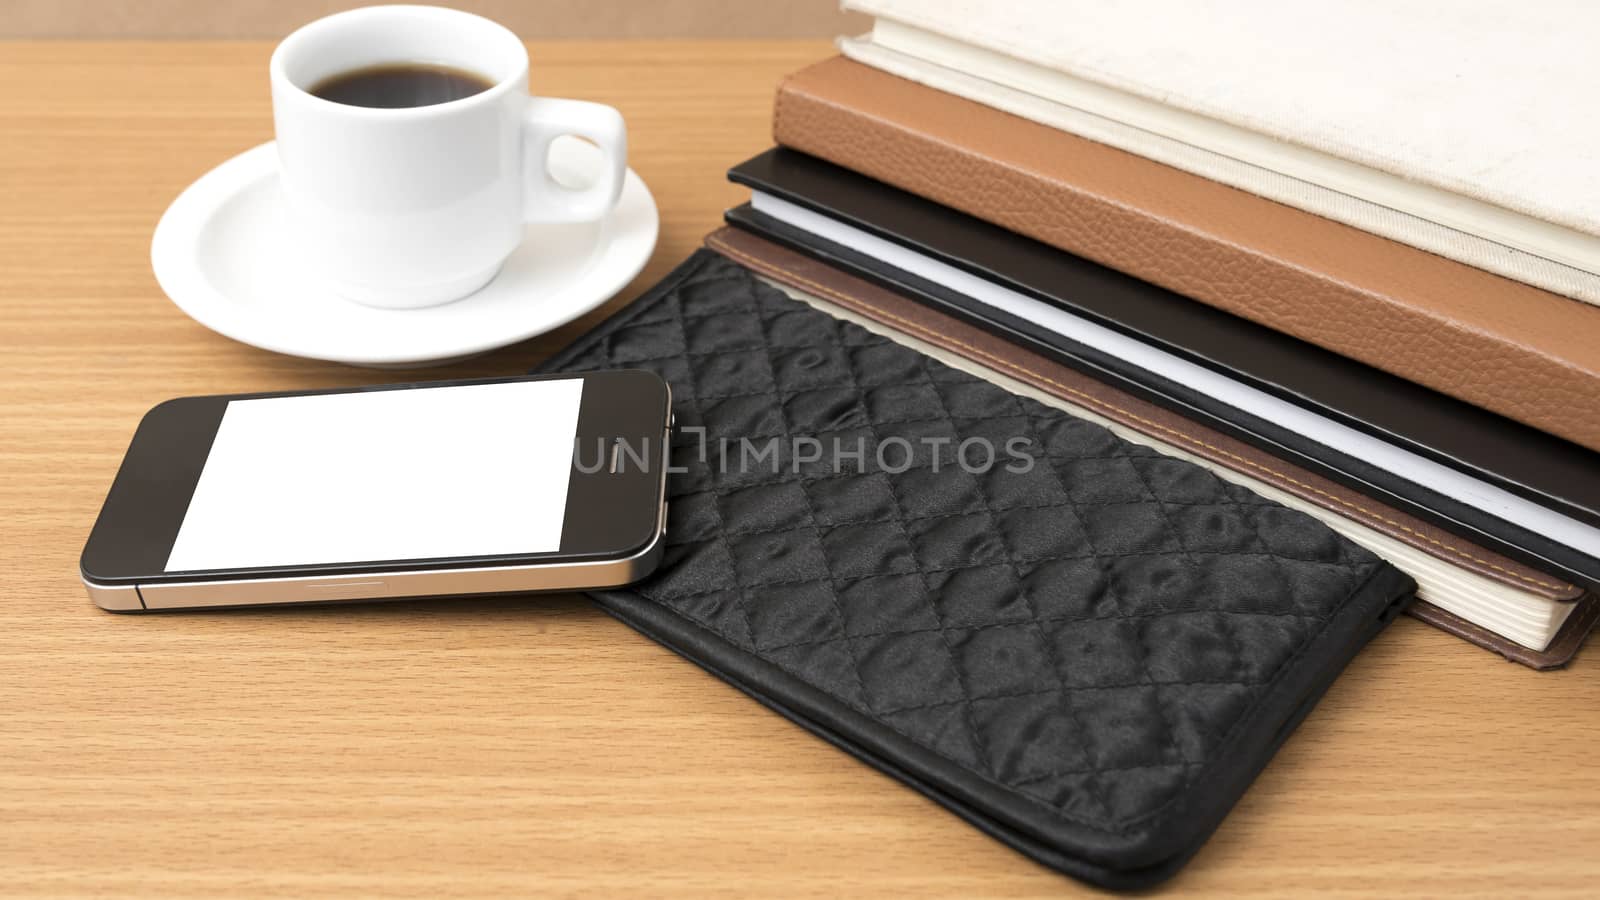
point(1089, 658)
point(1404, 413)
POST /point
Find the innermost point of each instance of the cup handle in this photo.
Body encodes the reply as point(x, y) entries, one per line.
point(544, 198)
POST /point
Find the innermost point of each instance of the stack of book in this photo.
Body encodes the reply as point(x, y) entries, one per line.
point(1291, 238)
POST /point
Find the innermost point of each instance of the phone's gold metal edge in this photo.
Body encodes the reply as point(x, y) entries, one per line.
point(384, 586)
point(396, 585)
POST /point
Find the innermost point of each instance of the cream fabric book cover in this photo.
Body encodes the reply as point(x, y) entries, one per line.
point(1456, 127)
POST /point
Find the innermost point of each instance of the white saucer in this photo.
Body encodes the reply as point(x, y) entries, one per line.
point(222, 253)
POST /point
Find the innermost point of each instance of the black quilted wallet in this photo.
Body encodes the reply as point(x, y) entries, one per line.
point(1089, 660)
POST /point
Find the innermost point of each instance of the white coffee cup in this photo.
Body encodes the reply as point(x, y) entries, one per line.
point(412, 207)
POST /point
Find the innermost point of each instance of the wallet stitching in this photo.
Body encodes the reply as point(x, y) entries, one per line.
point(1233, 732)
point(1045, 620)
point(1089, 748)
point(979, 746)
point(1224, 624)
point(1012, 788)
point(1095, 401)
point(1058, 557)
point(689, 595)
point(1122, 827)
point(833, 590)
point(984, 755)
point(1139, 629)
point(1068, 689)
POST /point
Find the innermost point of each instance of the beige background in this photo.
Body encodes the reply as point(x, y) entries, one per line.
point(533, 19)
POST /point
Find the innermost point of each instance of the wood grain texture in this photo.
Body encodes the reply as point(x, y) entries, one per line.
point(532, 745)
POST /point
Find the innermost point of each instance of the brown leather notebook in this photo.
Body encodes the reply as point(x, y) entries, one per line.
point(1524, 353)
point(1004, 360)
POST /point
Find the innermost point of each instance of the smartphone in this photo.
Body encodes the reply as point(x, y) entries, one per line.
point(450, 488)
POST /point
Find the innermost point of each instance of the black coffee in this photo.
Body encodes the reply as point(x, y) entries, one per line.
point(400, 85)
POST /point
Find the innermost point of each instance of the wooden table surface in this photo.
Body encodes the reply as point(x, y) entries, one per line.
point(533, 745)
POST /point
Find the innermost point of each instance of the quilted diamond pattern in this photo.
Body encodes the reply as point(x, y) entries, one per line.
point(1085, 633)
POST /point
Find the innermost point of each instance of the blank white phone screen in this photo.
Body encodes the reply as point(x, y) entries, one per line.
point(467, 470)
